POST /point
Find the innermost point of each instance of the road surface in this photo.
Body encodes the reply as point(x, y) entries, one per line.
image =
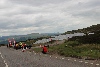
point(17, 58)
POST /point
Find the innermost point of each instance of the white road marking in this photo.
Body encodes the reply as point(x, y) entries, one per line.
point(2, 57)
point(56, 57)
point(50, 56)
point(91, 63)
point(63, 58)
point(80, 61)
point(6, 65)
point(35, 53)
point(86, 62)
point(97, 64)
point(74, 60)
point(68, 59)
point(4, 60)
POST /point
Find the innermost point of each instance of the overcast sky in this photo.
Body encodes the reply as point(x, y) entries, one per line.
point(18, 17)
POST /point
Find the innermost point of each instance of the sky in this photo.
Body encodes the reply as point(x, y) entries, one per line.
point(20, 17)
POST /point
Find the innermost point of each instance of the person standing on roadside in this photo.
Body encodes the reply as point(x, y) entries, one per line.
point(23, 47)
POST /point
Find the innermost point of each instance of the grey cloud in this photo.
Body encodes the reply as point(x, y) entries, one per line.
point(92, 3)
point(37, 2)
point(88, 14)
point(81, 6)
point(28, 16)
point(88, 9)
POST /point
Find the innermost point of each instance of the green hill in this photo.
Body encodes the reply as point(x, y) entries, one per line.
point(87, 46)
point(91, 29)
point(92, 35)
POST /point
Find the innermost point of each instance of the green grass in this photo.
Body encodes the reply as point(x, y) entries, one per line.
point(74, 49)
point(37, 50)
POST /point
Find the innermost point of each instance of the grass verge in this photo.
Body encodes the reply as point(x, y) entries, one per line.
point(74, 49)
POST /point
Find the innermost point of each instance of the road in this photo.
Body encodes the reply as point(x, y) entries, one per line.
point(17, 58)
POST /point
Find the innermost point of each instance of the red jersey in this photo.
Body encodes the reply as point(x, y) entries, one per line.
point(45, 49)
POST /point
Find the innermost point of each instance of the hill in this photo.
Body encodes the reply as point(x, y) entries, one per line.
point(92, 34)
point(4, 39)
point(91, 29)
point(86, 47)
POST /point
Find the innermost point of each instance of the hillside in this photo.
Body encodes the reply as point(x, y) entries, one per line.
point(88, 38)
point(91, 29)
point(87, 46)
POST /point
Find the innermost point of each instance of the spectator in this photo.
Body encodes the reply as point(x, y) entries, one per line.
point(45, 50)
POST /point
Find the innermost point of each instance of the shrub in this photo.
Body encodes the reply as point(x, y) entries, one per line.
point(73, 43)
point(37, 50)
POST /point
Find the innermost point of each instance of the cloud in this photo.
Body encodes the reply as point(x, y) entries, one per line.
point(37, 2)
point(19, 17)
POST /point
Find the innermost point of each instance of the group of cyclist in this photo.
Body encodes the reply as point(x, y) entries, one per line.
point(23, 46)
point(17, 45)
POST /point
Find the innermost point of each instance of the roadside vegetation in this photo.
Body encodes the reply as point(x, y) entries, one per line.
point(74, 49)
point(77, 50)
point(87, 46)
point(2, 45)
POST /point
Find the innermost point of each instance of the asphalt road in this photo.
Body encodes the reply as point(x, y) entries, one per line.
point(17, 58)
